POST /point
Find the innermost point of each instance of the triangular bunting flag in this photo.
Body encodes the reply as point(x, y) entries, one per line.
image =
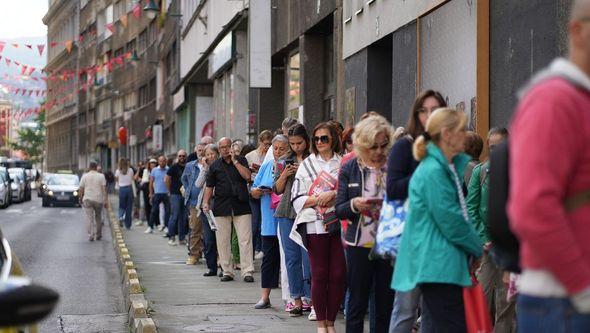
point(31, 70)
point(81, 38)
point(137, 10)
point(69, 44)
point(17, 63)
point(35, 79)
point(2, 44)
point(41, 48)
point(30, 93)
point(123, 20)
point(7, 62)
point(53, 44)
point(111, 27)
point(24, 91)
point(29, 46)
point(24, 69)
point(37, 93)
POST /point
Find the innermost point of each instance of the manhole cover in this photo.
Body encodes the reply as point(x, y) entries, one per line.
point(221, 328)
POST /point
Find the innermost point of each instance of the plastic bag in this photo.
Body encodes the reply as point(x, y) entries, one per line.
point(477, 314)
point(392, 220)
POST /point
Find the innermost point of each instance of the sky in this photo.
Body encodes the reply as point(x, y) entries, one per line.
point(22, 18)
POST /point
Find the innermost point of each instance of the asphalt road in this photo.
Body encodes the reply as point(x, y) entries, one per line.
point(54, 250)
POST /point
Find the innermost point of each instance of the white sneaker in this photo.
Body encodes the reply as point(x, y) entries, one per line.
point(259, 255)
point(161, 227)
point(173, 242)
point(165, 230)
point(312, 316)
point(149, 230)
point(138, 222)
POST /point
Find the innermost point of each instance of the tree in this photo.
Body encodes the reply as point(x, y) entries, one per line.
point(32, 139)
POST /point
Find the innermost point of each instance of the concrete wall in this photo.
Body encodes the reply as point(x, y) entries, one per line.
point(378, 19)
point(524, 37)
point(404, 73)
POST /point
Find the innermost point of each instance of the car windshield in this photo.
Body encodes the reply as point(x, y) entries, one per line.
point(63, 180)
point(16, 176)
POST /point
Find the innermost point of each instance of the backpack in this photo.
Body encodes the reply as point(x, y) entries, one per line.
point(505, 246)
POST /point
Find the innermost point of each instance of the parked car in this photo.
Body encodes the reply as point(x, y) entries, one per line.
point(25, 179)
point(6, 176)
point(17, 186)
point(61, 189)
point(22, 304)
point(4, 191)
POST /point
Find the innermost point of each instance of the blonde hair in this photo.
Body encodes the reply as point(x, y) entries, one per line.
point(441, 118)
point(367, 130)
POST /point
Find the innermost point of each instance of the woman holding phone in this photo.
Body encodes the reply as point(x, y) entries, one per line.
point(296, 259)
point(361, 188)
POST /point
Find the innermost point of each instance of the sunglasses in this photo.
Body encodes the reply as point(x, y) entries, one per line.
point(382, 146)
point(181, 156)
point(323, 139)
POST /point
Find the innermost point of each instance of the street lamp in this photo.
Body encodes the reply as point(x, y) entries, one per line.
point(151, 9)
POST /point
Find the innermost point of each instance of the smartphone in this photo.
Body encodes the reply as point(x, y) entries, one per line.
point(289, 162)
point(265, 188)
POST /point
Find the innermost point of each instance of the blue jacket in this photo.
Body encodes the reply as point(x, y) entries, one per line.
point(437, 240)
point(189, 176)
point(351, 182)
point(265, 177)
point(400, 167)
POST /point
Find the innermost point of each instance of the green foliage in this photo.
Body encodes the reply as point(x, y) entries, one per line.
point(32, 140)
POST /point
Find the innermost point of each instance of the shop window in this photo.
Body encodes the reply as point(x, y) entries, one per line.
point(142, 41)
point(294, 86)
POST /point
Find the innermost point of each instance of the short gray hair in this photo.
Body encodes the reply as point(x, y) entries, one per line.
point(280, 138)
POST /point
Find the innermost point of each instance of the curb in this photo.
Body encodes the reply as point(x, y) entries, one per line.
point(135, 303)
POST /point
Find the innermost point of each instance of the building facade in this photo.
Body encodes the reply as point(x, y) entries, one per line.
point(61, 119)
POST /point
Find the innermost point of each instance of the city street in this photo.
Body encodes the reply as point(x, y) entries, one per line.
point(54, 250)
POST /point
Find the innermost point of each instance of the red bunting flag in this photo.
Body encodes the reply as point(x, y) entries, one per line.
point(17, 63)
point(137, 10)
point(31, 70)
point(37, 93)
point(41, 48)
point(17, 91)
point(7, 62)
point(24, 69)
point(111, 27)
point(24, 91)
point(29, 46)
point(35, 79)
point(81, 38)
point(30, 93)
point(2, 44)
point(53, 44)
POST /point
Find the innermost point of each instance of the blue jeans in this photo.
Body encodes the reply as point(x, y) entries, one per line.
point(551, 315)
point(256, 224)
point(155, 213)
point(210, 244)
point(178, 222)
point(405, 311)
point(126, 205)
point(297, 262)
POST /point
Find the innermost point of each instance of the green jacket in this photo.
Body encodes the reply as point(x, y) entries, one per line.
point(436, 240)
point(477, 200)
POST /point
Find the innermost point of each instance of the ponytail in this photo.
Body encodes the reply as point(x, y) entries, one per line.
point(441, 118)
point(419, 148)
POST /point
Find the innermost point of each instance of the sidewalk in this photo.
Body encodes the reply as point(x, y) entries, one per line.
point(182, 299)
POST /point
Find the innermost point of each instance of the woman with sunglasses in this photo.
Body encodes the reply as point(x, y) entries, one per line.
point(400, 167)
point(313, 196)
point(361, 188)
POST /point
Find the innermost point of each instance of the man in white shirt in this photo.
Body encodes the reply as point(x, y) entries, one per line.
point(93, 197)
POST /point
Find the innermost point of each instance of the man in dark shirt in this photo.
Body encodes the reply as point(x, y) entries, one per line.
point(178, 217)
point(227, 178)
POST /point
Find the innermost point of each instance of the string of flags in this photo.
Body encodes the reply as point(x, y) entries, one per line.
point(69, 44)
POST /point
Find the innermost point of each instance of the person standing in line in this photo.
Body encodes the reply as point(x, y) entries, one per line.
point(145, 190)
point(93, 197)
point(549, 194)
point(400, 168)
point(361, 189)
point(255, 159)
point(228, 177)
point(192, 193)
point(439, 247)
point(124, 179)
point(209, 238)
point(490, 276)
point(197, 153)
point(177, 225)
point(296, 258)
point(262, 189)
point(320, 232)
point(159, 193)
point(473, 148)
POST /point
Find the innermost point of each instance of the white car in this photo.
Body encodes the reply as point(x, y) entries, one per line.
point(17, 187)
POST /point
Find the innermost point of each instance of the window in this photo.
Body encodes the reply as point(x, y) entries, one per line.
point(118, 105)
point(119, 52)
point(120, 9)
point(131, 46)
point(143, 95)
point(108, 20)
point(142, 41)
point(152, 32)
point(130, 101)
point(294, 86)
point(152, 90)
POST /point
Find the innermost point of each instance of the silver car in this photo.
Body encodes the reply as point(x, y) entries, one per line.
point(4, 192)
point(17, 186)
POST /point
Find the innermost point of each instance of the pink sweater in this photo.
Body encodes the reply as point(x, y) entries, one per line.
point(550, 161)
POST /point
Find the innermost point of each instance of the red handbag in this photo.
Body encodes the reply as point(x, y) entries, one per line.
point(477, 314)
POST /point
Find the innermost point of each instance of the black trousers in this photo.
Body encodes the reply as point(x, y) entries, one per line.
point(209, 244)
point(361, 274)
point(271, 262)
point(147, 205)
point(444, 304)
